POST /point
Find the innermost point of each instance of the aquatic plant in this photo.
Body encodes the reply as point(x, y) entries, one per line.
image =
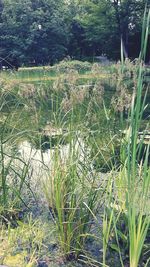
point(71, 195)
point(136, 176)
point(138, 220)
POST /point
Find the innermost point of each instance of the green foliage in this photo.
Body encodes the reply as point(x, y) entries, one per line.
point(25, 245)
point(46, 31)
point(107, 22)
point(34, 33)
point(71, 196)
point(65, 65)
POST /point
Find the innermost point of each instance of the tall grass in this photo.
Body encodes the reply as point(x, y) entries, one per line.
point(70, 191)
point(14, 170)
point(137, 174)
point(126, 216)
point(138, 183)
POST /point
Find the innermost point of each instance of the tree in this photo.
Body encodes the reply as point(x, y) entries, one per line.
point(106, 22)
point(45, 31)
point(50, 41)
point(22, 40)
point(77, 46)
point(14, 28)
point(129, 14)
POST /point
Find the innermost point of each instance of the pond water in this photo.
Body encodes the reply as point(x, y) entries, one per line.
point(42, 163)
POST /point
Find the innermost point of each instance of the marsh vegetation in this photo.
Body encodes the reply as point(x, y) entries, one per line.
point(74, 171)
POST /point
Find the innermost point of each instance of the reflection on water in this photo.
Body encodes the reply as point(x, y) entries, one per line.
point(41, 163)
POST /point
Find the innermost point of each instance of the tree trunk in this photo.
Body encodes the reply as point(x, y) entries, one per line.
point(125, 41)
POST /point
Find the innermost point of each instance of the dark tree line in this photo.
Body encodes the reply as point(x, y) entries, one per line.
point(45, 31)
